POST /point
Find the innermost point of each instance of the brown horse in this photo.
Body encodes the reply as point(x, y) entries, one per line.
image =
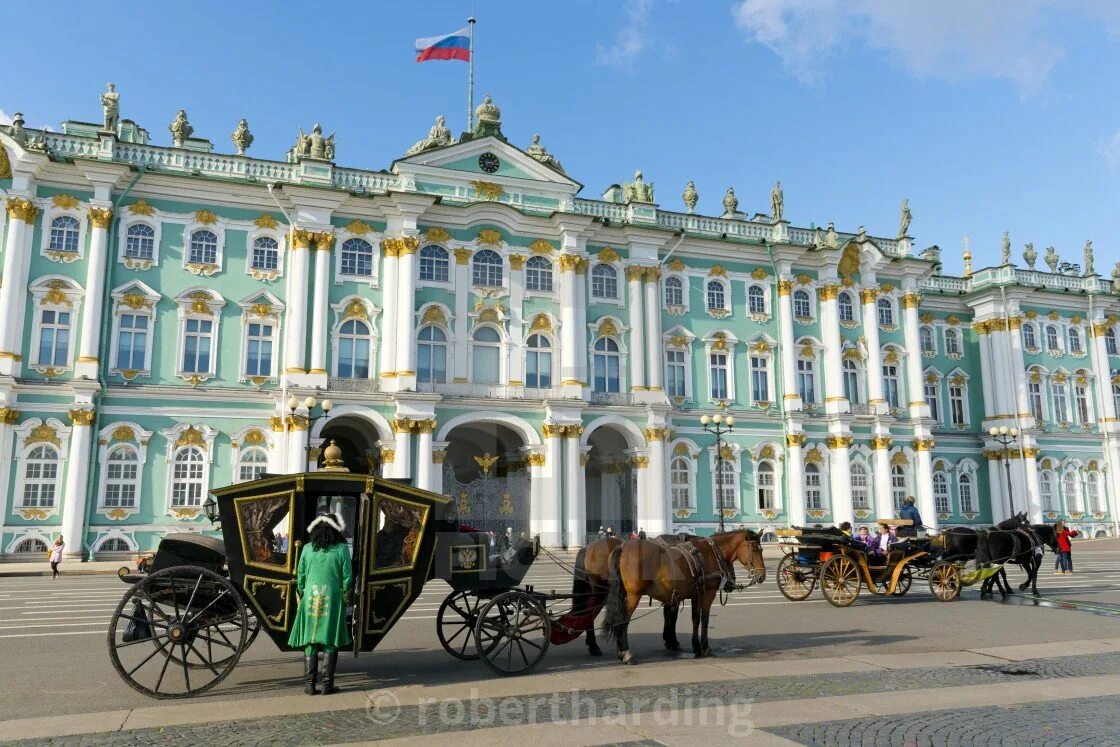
point(696, 570)
point(589, 589)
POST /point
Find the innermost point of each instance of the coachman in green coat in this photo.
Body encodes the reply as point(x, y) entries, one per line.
point(323, 582)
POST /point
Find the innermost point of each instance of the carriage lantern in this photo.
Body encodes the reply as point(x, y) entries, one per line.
point(719, 425)
point(210, 509)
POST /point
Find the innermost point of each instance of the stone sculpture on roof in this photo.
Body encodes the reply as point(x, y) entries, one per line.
point(538, 151)
point(242, 138)
point(180, 129)
point(438, 137)
point(904, 221)
point(777, 202)
point(111, 104)
point(638, 190)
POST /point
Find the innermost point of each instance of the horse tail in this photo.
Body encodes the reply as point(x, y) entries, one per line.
point(983, 552)
point(616, 596)
point(581, 587)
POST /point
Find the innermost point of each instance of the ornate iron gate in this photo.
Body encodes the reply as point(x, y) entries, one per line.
point(491, 502)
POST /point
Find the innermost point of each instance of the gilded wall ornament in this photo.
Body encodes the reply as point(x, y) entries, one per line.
point(433, 315)
point(191, 436)
point(141, 207)
point(489, 237)
point(66, 202)
point(607, 328)
point(437, 235)
point(717, 271)
point(266, 221)
point(206, 217)
point(43, 434)
point(541, 323)
point(759, 274)
point(80, 416)
point(488, 191)
point(516, 261)
point(22, 209)
point(608, 255)
point(540, 246)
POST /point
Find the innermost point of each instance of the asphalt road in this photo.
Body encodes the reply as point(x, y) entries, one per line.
point(52, 635)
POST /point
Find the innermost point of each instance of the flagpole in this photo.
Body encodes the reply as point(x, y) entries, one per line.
point(470, 80)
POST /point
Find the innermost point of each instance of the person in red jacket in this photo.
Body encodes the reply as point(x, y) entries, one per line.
point(1065, 549)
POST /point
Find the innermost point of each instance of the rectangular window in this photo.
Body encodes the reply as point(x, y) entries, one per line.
point(760, 379)
point(1034, 394)
point(956, 405)
point(941, 495)
point(813, 490)
point(197, 344)
point(1081, 403)
point(258, 350)
point(718, 373)
point(1061, 405)
point(54, 338)
point(890, 385)
point(806, 381)
point(931, 390)
point(674, 373)
point(132, 342)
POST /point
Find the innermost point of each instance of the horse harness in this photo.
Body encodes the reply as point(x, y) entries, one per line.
point(698, 566)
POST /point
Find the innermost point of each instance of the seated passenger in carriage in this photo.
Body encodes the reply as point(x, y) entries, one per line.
point(889, 538)
point(870, 542)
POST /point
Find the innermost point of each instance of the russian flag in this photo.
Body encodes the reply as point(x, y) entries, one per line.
point(456, 46)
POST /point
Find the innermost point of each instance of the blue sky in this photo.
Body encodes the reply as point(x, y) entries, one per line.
point(990, 116)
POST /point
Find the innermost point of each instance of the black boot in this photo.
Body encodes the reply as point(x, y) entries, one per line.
point(311, 671)
point(329, 662)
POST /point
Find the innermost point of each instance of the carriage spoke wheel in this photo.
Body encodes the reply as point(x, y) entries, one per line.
point(905, 580)
point(945, 581)
point(840, 581)
point(512, 632)
point(178, 632)
point(455, 623)
point(795, 581)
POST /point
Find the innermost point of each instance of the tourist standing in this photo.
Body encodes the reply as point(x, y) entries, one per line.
point(1065, 547)
point(54, 555)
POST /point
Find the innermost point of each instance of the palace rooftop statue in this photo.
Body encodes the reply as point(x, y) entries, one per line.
point(438, 137)
point(111, 102)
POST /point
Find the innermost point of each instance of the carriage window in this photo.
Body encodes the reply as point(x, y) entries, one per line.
point(399, 529)
point(265, 528)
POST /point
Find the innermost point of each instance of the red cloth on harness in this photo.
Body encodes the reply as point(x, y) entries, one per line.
point(571, 626)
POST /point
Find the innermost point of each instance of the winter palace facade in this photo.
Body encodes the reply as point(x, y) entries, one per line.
point(478, 328)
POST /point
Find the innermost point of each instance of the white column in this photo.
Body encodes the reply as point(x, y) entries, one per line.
point(516, 320)
point(551, 501)
point(581, 323)
point(424, 464)
point(795, 479)
point(21, 218)
point(406, 311)
point(639, 462)
point(883, 505)
point(77, 482)
point(294, 347)
point(659, 512)
point(574, 488)
point(569, 330)
point(924, 478)
point(462, 317)
point(997, 489)
point(791, 399)
point(1001, 369)
point(869, 297)
point(840, 478)
point(388, 342)
point(835, 400)
point(9, 415)
point(324, 242)
point(100, 219)
point(986, 367)
point(539, 494)
point(439, 453)
point(653, 331)
point(297, 443)
point(637, 329)
point(1018, 367)
point(1030, 470)
point(914, 385)
point(278, 446)
point(401, 466)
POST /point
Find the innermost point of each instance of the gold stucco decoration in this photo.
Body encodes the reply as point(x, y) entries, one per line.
point(254, 438)
point(206, 217)
point(488, 190)
point(191, 436)
point(358, 228)
point(516, 261)
point(881, 442)
point(678, 341)
point(607, 328)
point(5, 165)
point(541, 323)
point(266, 221)
point(437, 235)
point(141, 207)
point(123, 433)
point(540, 246)
point(899, 460)
point(22, 209)
point(608, 255)
point(926, 318)
point(433, 315)
point(759, 274)
point(489, 237)
point(355, 310)
point(804, 280)
point(136, 301)
point(717, 271)
point(80, 416)
point(66, 202)
point(43, 434)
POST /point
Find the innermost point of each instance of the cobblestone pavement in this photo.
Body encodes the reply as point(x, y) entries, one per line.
point(1094, 721)
point(384, 719)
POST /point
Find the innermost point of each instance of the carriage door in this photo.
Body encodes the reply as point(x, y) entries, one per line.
point(266, 526)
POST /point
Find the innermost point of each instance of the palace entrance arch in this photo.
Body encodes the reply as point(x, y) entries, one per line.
point(359, 437)
point(486, 473)
point(610, 483)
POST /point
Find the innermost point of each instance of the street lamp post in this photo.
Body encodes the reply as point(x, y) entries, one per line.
point(310, 403)
point(720, 426)
point(1005, 436)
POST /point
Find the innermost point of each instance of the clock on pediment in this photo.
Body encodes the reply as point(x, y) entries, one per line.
point(489, 162)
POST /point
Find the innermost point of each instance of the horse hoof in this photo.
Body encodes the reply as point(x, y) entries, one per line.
point(674, 647)
point(594, 651)
point(627, 658)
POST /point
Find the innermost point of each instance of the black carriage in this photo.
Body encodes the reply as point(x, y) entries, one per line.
point(181, 628)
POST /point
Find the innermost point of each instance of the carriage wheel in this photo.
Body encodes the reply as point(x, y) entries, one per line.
point(905, 579)
point(512, 632)
point(455, 624)
point(840, 581)
point(178, 632)
point(795, 581)
point(945, 581)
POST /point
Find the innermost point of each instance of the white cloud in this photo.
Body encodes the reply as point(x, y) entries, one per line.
point(1014, 40)
point(1109, 149)
point(631, 41)
point(5, 118)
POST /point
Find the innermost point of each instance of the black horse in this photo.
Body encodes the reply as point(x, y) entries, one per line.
point(1023, 547)
point(960, 543)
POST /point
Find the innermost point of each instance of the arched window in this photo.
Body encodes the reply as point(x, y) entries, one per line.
point(1052, 337)
point(860, 496)
point(353, 349)
point(538, 362)
point(674, 291)
point(1074, 340)
point(1046, 491)
point(941, 502)
point(756, 300)
point(31, 545)
point(356, 258)
point(113, 544)
point(121, 473)
point(900, 487)
point(606, 366)
point(251, 464)
point(186, 477)
point(1030, 341)
point(727, 485)
point(717, 296)
point(680, 482)
point(845, 307)
point(886, 312)
point(266, 254)
point(54, 338)
point(40, 477)
point(851, 381)
point(802, 309)
point(604, 281)
point(140, 241)
point(764, 486)
point(538, 274)
point(486, 356)
point(64, 234)
point(487, 268)
point(1093, 491)
point(1071, 487)
point(204, 248)
point(431, 357)
point(925, 340)
point(1110, 341)
point(434, 264)
point(952, 342)
point(813, 498)
point(964, 487)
